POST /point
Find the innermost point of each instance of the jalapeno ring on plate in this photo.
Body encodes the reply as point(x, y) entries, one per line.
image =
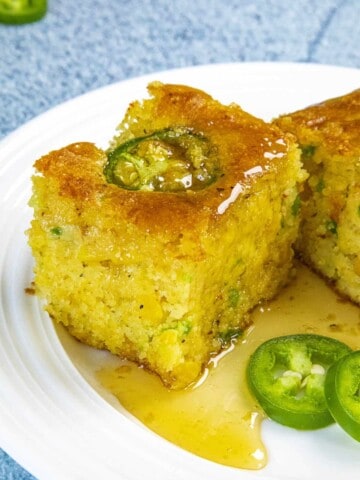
point(287, 375)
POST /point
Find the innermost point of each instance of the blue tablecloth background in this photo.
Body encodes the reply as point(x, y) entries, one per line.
point(82, 45)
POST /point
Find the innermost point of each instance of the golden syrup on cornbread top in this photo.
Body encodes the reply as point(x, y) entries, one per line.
point(240, 140)
point(218, 419)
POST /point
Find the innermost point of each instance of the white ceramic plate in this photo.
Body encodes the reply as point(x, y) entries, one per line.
point(53, 421)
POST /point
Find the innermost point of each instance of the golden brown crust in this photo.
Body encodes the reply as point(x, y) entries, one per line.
point(334, 123)
point(243, 140)
point(73, 167)
point(247, 147)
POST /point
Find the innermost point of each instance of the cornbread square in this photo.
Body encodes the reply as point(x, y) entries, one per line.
point(167, 278)
point(329, 241)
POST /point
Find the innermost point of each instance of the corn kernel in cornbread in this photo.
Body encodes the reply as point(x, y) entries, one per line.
point(329, 134)
point(158, 250)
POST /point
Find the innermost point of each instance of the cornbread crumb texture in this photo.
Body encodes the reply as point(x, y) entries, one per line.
point(329, 134)
point(167, 279)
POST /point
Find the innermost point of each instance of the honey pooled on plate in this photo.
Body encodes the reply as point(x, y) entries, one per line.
point(219, 419)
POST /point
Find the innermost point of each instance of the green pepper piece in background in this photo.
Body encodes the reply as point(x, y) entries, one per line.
point(342, 392)
point(169, 160)
point(17, 12)
point(287, 375)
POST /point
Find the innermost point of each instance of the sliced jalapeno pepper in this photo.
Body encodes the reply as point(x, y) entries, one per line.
point(287, 375)
point(172, 159)
point(22, 11)
point(342, 392)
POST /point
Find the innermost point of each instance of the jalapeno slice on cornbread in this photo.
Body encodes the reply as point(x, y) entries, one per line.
point(172, 159)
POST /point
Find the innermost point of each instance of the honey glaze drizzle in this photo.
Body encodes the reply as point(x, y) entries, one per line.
point(218, 419)
point(215, 420)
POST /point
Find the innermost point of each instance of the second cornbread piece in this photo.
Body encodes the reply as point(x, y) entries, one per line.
point(162, 265)
point(329, 134)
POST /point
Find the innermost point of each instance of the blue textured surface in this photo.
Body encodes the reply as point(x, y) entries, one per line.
point(80, 46)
